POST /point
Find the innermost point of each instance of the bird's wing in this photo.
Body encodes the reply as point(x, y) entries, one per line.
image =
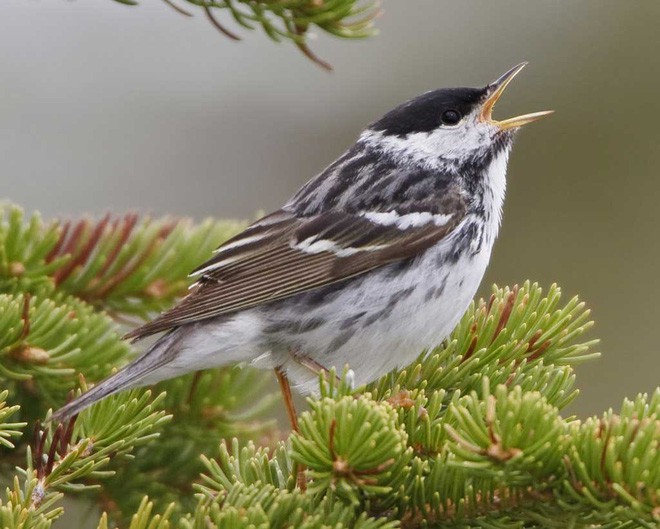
point(282, 255)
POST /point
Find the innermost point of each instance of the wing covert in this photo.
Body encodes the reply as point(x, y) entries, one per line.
point(282, 255)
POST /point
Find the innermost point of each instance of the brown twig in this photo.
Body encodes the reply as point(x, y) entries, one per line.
point(125, 272)
point(80, 257)
point(67, 247)
point(50, 462)
point(219, 26)
point(40, 436)
point(55, 250)
point(506, 311)
point(540, 350)
point(128, 224)
point(331, 439)
point(307, 52)
point(473, 344)
point(178, 9)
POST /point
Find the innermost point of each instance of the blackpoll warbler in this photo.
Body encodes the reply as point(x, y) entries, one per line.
point(371, 262)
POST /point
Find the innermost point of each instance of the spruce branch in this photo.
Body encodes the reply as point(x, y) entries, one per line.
point(25, 246)
point(260, 505)
point(45, 343)
point(144, 517)
point(352, 446)
point(480, 458)
point(130, 265)
point(205, 407)
point(126, 265)
point(62, 456)
point(508, 462)
point(8, 429)
point(520, 336)
point(470, 435)
point(290, 20)
point(266, 466)
point(614, 462)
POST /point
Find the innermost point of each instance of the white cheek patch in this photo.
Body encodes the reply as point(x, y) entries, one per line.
point(408, 220)
point(439, 147)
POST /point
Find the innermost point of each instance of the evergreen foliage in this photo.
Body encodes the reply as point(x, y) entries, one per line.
point(470, 435)
point(286, 20)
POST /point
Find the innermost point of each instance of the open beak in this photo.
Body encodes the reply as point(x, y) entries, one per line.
point(495, 90)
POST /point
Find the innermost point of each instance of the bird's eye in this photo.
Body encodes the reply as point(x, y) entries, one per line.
point(450, 117)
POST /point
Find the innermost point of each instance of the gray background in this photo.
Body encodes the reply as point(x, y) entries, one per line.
point(108, 107)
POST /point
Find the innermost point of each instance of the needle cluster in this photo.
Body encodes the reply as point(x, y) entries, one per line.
point(470, 435)
point(285, 20)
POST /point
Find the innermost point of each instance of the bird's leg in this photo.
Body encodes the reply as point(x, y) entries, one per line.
point(285, 387)
point(310, 363)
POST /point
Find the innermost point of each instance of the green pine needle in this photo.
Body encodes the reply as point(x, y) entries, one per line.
point(8, 429)
point(47, 342)
point(353, 447)
point(127, 265)
point(289, 20)
point(470, 435)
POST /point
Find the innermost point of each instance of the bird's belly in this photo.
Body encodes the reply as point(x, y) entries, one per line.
point(384, 320)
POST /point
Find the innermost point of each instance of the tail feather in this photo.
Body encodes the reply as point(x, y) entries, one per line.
point(128, 377)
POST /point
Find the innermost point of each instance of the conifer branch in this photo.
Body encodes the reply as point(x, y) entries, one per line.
point(144, 517)
point(205, 407)
point(8, 429)
point(45, 343)
point(62, 455)
point(286, 19)
point(469, 435)
point(126, 265)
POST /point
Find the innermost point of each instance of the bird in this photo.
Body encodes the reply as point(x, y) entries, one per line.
point(373, 261)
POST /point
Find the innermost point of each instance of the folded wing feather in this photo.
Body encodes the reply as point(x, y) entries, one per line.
point(282, 255)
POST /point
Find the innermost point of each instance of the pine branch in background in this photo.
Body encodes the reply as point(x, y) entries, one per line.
point(45, 343)
point(468, 436)
point(283, 20)
point(8, 429)
point(132, 266)
point(72, 452)
point(128, 266)
point(206, 407)
point(61, 281)
point(143, 518)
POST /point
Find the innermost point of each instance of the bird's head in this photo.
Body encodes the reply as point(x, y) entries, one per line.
point(450, 125)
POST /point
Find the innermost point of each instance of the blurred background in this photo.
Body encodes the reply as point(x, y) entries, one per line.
point(109, 107)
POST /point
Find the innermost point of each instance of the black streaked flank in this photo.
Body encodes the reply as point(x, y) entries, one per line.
point(340, 340)
point(400, 295)
point(436, 292)
point(351, 321)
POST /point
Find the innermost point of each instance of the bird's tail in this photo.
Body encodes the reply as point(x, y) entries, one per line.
point(128, 377)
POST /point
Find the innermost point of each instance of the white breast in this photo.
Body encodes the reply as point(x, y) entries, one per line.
point(419, 321)
point(495, 191)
